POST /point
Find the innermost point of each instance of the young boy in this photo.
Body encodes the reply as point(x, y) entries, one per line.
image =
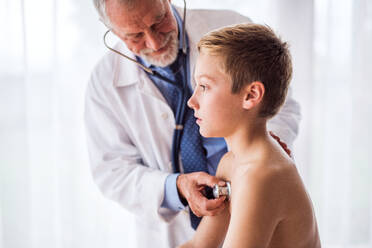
point(242, 76)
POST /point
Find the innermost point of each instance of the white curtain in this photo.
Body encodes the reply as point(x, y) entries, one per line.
point(48, 199)
point(341, 117)
point(47, 50)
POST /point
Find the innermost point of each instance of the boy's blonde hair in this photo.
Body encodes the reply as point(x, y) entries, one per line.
point(252, 52)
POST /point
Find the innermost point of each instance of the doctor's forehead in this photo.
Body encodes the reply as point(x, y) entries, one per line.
point(137, 15)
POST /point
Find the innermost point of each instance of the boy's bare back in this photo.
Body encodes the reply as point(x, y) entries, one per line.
point(269, 205)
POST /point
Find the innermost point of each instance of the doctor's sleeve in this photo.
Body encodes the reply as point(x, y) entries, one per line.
point(116, 163)
point(171, 197)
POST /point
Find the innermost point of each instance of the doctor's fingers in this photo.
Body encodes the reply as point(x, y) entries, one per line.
point(203, 178)
point(213, 211)
point(217, 211)
point(204, 207)
point(215, 206)
point(198, 204)
point(282, 144)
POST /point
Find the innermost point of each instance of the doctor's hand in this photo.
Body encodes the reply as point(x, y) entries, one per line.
point(191, 187)
point(281, 143)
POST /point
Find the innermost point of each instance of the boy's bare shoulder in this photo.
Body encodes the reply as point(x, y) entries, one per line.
point(266, 177)
point(273, 182)
point(266, 168)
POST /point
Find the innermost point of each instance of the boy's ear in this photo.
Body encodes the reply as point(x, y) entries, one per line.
point(253, 94)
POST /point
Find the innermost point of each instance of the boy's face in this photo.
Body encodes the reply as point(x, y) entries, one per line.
point(217, 110)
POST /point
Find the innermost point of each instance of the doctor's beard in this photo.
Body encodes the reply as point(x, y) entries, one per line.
point(165, 58)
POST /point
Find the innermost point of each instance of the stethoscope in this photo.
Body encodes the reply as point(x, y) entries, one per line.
point(181, 106)
point(217, 191)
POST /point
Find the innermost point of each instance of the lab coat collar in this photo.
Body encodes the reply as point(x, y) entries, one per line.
point(129, 75)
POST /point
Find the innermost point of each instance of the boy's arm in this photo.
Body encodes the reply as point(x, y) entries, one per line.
point(211, 231)
point(256, 209)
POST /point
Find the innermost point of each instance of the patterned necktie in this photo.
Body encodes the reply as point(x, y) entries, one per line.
point(193, 155)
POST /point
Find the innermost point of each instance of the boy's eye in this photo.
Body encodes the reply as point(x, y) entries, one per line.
point(202, 86)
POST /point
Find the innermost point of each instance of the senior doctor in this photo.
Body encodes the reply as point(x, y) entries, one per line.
point(131, 117)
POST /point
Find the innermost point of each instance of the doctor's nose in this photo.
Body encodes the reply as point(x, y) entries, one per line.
point(154, 40)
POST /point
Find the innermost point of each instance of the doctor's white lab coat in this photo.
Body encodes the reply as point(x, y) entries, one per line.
point(130, 128)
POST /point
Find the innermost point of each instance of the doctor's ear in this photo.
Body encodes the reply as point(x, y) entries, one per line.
point(253, 94)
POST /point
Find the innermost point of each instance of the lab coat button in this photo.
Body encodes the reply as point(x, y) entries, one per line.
point(164, 116)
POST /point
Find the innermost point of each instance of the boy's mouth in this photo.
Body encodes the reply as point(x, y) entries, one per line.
point(198, 120)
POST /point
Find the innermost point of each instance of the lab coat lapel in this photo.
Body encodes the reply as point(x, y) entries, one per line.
point(194, 33)
point(134, 75)
point(148, 87)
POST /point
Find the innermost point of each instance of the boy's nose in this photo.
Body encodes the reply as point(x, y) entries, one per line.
point(192, 102)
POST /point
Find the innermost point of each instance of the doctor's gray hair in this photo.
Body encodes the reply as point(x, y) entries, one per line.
point(100, 6)
point(101, 9)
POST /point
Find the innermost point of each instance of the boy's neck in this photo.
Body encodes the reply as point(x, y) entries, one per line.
point(248, 142)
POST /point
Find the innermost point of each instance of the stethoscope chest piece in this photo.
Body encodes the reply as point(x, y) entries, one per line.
point(222, 190)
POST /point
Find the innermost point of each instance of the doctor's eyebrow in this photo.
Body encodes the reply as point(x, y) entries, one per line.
point(131, 34)
point(157, 19)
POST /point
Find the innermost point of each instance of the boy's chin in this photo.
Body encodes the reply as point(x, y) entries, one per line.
point(208, 134)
